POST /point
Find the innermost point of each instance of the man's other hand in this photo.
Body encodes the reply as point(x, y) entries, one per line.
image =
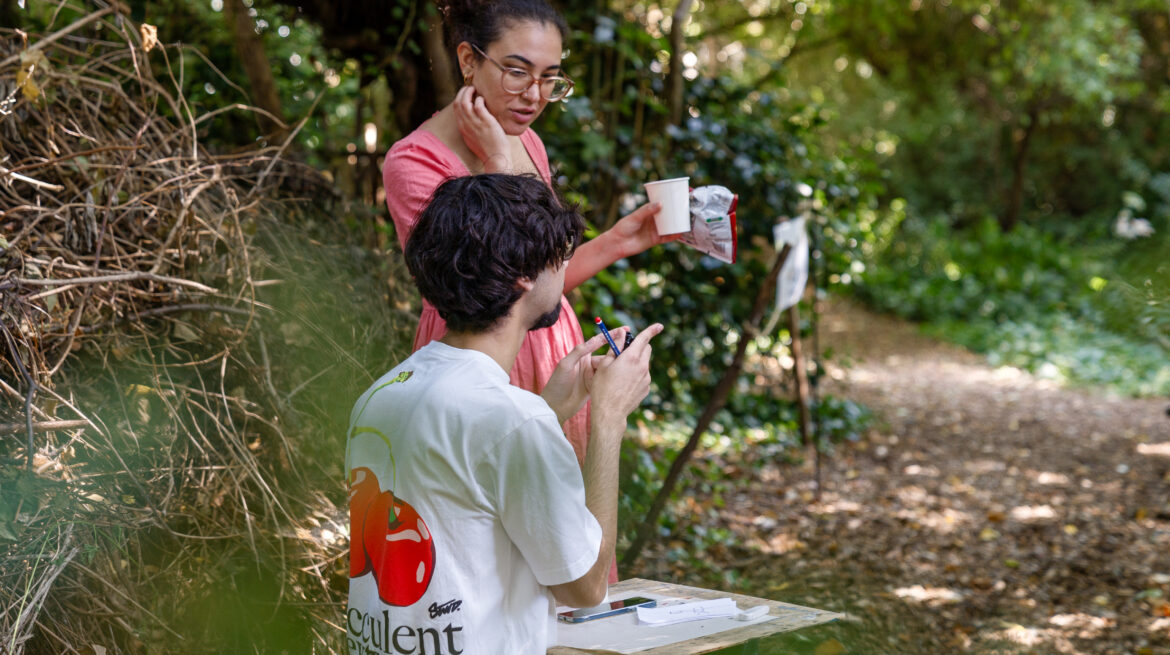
point(568, 388)
point(619, 384)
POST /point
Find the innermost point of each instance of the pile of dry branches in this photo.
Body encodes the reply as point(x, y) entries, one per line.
point(143, 438)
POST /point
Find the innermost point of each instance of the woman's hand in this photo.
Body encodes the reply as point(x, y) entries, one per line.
point(636, 232)
point(631, 235)
point(482, 132)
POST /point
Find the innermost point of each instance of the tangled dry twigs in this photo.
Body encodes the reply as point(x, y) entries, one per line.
point(145, 440)
point(108, 209)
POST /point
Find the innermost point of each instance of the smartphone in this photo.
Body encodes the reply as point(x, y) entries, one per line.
point(611, 608)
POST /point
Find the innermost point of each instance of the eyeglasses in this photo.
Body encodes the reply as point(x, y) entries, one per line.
point(517, 80)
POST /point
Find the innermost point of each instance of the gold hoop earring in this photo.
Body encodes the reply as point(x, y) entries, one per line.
point(467, 79)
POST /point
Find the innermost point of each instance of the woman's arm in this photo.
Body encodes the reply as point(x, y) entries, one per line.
point(633, 234)
point(629, 236)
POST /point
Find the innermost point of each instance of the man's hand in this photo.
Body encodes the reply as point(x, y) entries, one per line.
point(619, 384)
point(568, 388)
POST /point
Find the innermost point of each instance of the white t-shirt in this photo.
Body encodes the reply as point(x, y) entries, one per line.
point(466, 503)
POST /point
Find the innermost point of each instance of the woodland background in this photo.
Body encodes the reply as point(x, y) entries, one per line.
point(199, 274)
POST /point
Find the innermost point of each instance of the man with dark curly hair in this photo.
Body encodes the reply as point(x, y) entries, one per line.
point(470, 517)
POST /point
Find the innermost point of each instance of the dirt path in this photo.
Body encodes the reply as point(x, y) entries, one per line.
point(989, 511)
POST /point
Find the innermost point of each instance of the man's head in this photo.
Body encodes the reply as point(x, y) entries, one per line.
point(483, 241)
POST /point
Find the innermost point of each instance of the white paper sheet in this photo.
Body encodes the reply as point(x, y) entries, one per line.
point(696, 610)
point(623, 634)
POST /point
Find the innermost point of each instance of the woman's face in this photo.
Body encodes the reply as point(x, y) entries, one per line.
point(530, 46)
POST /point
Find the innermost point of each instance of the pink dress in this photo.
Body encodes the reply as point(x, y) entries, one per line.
point(414, 168)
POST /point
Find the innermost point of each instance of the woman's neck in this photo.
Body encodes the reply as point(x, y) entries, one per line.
point(444, 127)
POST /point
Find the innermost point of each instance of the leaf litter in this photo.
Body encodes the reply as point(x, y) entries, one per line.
point(990, 511)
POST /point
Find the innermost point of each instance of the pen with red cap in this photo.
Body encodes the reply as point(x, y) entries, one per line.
point(601, 327)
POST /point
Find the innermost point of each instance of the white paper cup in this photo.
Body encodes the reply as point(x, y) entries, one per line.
point(675, 198)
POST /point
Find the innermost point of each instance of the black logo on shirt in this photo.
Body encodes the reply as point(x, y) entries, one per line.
point(448, 607)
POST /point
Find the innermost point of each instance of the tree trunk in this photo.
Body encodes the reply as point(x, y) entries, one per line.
point(259, 71)
point(674, 80)
point(442, 68)
point(1015, 198)
point(404, 87)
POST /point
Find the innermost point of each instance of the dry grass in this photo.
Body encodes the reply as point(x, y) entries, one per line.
point(167, 430)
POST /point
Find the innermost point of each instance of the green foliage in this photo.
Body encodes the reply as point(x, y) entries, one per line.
point(969, 98)
point(1063, 348)
point(749, 140)
point(974, 97)
point(842, 419)
point(933, 272)
point(1031, 300)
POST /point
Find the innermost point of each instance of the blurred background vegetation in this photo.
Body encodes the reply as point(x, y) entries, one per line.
point(995, 170)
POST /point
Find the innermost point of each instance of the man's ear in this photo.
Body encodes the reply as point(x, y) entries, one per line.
point(526, 284)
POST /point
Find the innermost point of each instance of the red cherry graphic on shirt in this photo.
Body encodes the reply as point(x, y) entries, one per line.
point(400, 548)
point(363, 490)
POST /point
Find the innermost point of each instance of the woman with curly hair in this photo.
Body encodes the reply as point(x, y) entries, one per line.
point(509, 52)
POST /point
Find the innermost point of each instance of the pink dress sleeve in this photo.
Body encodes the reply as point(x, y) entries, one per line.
point(414, 168)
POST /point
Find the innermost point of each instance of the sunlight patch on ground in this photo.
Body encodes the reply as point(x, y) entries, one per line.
point(1049, 478)
point(928, 595)
point(925, 471)
point(784, 543)
point(839, 507)
point(1066, 627)
point(1008, 376)
point(1156, 449)
point(972, 376)
point(1018, 634)
point(1028, 513)
point(943, 522)
point(913, 495)
point(1084, 625)
point(325, 525)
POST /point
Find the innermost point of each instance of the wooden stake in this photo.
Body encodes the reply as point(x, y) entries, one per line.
point(800, 372)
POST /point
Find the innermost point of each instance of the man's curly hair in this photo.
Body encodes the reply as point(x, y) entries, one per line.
point(479, 236)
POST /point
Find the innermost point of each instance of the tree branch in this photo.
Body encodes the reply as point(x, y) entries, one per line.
point(718, 399)
point(120, 277)
point(731, 26)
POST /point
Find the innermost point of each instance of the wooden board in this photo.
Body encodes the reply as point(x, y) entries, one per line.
point(801, 617)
